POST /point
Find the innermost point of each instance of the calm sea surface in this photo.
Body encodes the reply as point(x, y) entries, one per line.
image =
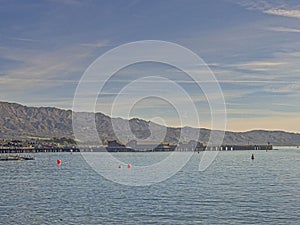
point(233, 190)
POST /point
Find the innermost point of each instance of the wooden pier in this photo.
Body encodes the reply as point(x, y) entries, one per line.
point(111, 148)
point(238, 147)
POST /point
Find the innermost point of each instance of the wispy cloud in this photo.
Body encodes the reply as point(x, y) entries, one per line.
point(284, 29)
point(291, 88)
point(258, 65)
point(36, 74)
point(285, 104)
point(280, 67)
point(54, 64)
point(99, 44)
point(278, 8)
point(68, 2)
point(284, 12)
point(24, 39)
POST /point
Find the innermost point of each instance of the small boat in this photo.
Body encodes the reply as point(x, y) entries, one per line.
point(27, 157)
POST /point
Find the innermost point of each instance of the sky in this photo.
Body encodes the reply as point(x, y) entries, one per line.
point(251, 47)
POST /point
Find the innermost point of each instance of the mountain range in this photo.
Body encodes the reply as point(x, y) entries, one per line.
point(19, 121)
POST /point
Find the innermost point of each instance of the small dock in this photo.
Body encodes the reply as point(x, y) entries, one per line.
point(26, 150)
point(15, 157)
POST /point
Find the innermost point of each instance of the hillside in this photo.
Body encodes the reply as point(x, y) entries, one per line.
point(18, 121)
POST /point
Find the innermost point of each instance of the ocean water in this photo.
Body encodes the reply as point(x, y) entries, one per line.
point(233, 190)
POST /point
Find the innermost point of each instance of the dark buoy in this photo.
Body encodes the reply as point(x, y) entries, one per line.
point(252, 156)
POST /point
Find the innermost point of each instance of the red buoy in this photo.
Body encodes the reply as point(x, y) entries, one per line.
point(58, 162)
point(129, 166)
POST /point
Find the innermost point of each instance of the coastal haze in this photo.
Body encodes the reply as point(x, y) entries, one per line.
point(18, 121)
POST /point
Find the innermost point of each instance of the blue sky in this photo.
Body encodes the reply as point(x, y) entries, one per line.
point(253, 48)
